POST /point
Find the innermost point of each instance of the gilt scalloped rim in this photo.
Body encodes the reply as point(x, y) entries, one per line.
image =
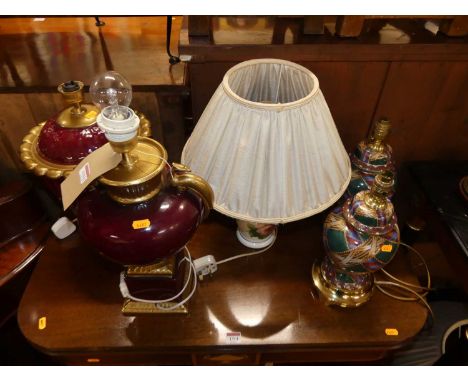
point(42, 167)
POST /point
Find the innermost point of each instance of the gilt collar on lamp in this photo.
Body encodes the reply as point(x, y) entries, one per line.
point(269, 147)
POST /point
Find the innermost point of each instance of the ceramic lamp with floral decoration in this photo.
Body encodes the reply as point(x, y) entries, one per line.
point(269, 147)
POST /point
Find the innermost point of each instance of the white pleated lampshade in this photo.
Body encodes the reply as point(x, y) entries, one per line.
point(268, 145)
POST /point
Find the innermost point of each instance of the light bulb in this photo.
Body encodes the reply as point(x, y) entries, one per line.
point(111, 89)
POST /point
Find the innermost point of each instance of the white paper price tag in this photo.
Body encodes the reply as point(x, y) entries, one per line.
point(233, 338)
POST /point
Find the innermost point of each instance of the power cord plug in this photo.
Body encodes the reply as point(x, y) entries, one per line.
point(205, 265)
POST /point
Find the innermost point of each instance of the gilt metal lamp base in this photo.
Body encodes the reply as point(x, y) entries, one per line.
point(336, 294)
point(132, 308)
point(159, 281)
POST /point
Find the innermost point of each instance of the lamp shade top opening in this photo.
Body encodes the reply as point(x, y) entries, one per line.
point(268, 145)
point(270, 84)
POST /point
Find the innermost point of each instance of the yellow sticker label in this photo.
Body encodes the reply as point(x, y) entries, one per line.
point(138, 224)
point(42, 323)
point(91, 114)
point(391, 332)
point(387, 248)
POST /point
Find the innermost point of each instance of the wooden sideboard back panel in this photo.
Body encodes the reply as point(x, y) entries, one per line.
point(428, 105)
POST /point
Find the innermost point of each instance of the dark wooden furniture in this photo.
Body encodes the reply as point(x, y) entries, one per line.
point(23, 229)
point(351, 26)
point(438, 202)
point(345, 26)
point(71, 308)
point(420, 85)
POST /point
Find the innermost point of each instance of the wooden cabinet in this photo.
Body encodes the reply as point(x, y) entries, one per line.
point(269, 299)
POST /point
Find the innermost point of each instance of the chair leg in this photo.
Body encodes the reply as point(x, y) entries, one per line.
point(99, 23)
point(172, 59)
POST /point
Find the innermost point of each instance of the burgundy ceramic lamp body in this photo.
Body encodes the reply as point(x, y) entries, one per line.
point(144, 213)
point(170, 219)
point(68, 146)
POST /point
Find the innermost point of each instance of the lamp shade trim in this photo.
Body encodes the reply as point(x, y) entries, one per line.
point(300, 216)
point(306, 77)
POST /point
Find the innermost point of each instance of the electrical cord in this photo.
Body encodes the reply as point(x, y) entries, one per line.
point(417, 290)
point(418, 296)
point(193, 270)
point(250, 253)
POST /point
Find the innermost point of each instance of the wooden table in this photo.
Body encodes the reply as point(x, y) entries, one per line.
point(268, 298)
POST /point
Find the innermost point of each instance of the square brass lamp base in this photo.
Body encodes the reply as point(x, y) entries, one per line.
point(132, 308)
point(158, 281)
point(334, 295)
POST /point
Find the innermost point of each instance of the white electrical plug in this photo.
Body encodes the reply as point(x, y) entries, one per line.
point(63, 227)
point(205, 265)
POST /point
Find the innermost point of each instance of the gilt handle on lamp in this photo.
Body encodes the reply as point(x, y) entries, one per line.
point(182, 177)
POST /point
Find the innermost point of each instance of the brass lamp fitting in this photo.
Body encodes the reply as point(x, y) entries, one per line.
point(377, 198)
point(381, 129)
point(72, 92)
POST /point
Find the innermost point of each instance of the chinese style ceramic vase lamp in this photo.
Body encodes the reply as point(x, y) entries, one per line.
point(269, 147)
point(53, 148)
point(360, 237)
point(371, 157)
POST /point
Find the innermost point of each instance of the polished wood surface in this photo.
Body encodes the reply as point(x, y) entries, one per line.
point(46, 53)
point(269, 298)
point(428, 105)
point(17, 254)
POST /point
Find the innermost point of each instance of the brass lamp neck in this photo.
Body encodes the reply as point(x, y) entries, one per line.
point(379, 133)
point(125, 148)
point(377, 197)
point(72, 92)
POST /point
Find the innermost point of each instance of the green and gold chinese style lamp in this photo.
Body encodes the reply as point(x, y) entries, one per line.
point(360, 237)
point(371, 157)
